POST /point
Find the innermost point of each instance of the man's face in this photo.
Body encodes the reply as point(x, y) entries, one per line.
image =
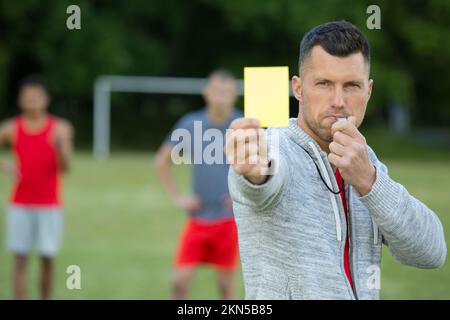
point(33, 99)
point(330, 87)
point(220, 94)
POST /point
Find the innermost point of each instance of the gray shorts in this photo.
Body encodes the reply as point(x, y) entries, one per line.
point(30, 227)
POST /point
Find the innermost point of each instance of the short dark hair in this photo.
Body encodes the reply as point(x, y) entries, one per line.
point(338, 38)
point(223, 74)
point(34, 80)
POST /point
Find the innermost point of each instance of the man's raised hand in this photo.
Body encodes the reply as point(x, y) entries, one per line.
point(349, 153)
point(246, 150)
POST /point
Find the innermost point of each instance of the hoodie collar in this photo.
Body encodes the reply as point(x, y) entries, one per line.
point(299, 136)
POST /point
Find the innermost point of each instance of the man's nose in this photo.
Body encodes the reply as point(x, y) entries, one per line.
point(338, 99)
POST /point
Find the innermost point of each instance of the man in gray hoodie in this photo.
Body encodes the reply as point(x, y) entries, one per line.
point(312, 202)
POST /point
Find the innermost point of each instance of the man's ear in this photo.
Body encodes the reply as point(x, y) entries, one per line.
point(49, 100)
point(370, 88)
point(204, 90)
point(297, 87)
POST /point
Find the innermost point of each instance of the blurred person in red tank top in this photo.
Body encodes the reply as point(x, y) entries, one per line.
point(42, 145)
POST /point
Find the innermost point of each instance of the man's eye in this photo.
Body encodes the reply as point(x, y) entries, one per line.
point(322, 83)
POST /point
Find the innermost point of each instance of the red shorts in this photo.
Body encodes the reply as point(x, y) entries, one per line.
point(214, 243)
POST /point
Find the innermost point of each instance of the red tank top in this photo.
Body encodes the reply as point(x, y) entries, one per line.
point(37, 180)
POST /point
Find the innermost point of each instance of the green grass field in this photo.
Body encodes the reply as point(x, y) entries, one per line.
point(122, 230)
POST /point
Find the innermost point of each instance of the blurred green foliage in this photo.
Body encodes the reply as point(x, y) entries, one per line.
point(410, 54)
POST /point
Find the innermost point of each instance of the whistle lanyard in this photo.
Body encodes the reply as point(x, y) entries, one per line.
point(341, 188)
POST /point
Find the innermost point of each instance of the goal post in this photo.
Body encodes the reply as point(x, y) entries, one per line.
point(105, 85)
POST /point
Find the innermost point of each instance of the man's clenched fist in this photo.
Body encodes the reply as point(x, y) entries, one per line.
point(246, 150)
point(349, 153)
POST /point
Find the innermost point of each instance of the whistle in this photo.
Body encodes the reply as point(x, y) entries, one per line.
point(342, 119)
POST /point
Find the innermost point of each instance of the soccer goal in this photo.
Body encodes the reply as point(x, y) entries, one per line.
point(105, 85)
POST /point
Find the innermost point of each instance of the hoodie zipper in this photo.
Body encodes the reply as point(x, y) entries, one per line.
point(350, 240)
point(338, 219)
point(347, 229)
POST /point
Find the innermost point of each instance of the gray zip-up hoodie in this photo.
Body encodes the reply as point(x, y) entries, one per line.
point(292, 228)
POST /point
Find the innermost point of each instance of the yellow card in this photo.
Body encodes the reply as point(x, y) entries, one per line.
point(266, 95)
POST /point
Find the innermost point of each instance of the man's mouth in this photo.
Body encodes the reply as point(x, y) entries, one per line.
point(334, 118)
